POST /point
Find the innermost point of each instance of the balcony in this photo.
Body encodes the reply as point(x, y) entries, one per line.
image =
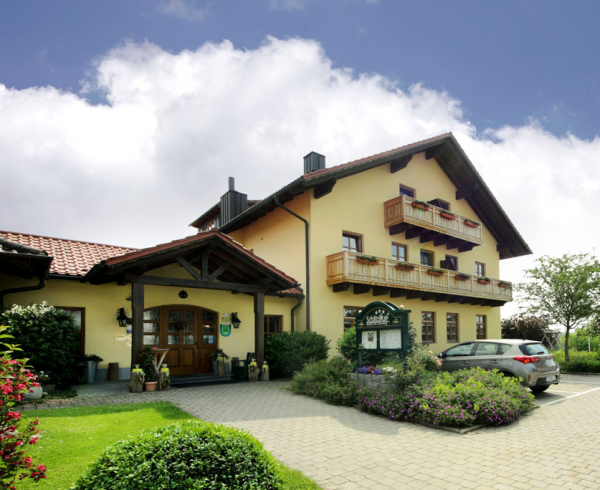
point(345, 269)
point(430, 223)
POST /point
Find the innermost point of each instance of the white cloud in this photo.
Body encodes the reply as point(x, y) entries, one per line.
point(138, 169)
point(182, 9)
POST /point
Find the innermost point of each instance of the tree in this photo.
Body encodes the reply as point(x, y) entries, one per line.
point(524, 327)
point(566, 290)
point(46, 336)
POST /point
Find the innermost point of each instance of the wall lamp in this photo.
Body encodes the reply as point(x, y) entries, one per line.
point(122, 318)
point(235, 320)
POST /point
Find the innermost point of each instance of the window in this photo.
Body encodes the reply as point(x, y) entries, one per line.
point(351, 242)
point(350, 313)
point(273, 325)
point(452, 327)
point(440, 203)
point(451, 263)
point(78, 315)
point(407, 191)
point(487, 349)
point(427, 326)
point(480, 326)
point(461, 350)
point(151, 327)
point(479, 269)
point(399, 252)
point(427, 258)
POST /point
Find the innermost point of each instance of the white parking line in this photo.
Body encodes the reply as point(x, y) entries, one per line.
point(566, 398)
point(559, 391)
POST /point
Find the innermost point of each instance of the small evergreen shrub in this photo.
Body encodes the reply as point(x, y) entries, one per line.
point(288, 352)
point(346, 346)
point(47, 337)
point(192, 455)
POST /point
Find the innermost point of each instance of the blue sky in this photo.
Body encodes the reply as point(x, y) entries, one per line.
point(121, 120)
point(506, 61)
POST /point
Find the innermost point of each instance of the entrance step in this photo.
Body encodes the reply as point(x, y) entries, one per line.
point(196, 379)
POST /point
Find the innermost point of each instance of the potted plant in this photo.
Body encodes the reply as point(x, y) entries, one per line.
point(447, 215)
point(405, 267)
point(365, 259)
point(147, 366)
point(462, 277)
point(505, 285)
point(218, 356)
point(471, 223)
point(136, 385)
point(420, 205)
point(484, 280)
point(435, 272)
point(91, 361)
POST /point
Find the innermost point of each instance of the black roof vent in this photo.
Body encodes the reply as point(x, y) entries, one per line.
point(313, 162)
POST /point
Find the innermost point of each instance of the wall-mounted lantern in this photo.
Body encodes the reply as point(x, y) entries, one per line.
point(122, 318)
point(235, 320)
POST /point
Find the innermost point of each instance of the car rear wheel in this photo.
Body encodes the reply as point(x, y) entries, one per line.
point(539, 389)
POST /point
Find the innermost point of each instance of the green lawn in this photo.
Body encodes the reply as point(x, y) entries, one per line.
point(72, 438)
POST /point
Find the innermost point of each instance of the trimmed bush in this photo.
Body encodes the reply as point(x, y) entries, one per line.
point(192, 455)
point(289, 352)
point(579, 362)
point(346, 346)
point(47, 337)
point(326, 380)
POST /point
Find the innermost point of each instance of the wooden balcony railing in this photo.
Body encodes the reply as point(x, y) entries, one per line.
point(344, 267)
point(404, 209)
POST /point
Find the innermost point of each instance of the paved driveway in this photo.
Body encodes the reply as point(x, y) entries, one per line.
point(555, 447)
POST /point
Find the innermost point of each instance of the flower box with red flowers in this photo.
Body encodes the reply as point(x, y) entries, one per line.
point(447, 215)
point(505, 285)
point(435, 272)
point(405, 267)
point(420, 205)
point(471, 224)
point(462, 277)
point(484, 280)
point(367, 260)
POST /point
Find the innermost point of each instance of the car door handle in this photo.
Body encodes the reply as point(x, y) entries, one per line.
point(494, 362)
point(464, 362)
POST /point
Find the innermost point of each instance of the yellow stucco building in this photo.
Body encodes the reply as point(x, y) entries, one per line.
point(415, 226)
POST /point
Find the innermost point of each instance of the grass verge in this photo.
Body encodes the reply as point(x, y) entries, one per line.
point(72, 438)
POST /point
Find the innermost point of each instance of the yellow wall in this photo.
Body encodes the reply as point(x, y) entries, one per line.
point(102, 302)
point(356, 205)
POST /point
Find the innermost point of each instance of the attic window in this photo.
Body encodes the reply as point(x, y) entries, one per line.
point(407, 191)
point(440, 203)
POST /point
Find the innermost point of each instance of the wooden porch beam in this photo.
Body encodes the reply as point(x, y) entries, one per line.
point(191, 283)
point(259, 328)
point(362, 288)
point(434, 151)
point(413, 232)
point(397, 293)
point(466, 247)
point(453, 243)
point(187, 266)
point(428, 236)
point(414, 294)
point(427, 296)
point(219, 271)
point(399, 163)
point(137, 323)
point(440, 240)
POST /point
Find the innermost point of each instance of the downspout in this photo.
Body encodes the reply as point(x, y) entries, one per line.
point(41, 284)
point(307, 262)
point(294, 311)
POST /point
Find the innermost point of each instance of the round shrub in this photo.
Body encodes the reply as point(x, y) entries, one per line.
point(288, 352)
point(346, 346)
point(192, 455)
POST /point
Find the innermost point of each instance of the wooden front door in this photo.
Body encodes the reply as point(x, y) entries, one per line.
point(190, 334)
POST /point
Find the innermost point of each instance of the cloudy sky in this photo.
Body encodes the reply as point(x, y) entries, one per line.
point(121, 120)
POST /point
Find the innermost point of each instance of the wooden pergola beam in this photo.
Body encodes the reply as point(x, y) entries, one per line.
point(192, 283)
point(400, 163)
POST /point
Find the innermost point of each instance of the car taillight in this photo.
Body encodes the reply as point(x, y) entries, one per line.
point(526, 359)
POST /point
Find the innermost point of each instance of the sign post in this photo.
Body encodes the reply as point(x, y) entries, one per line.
point(381, 327)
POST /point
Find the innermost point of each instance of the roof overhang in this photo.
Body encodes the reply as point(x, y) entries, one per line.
point(453, 161)
point(212, 260)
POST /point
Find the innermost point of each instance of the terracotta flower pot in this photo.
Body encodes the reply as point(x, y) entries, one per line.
point(471, 224)
point(483, 281)
point(368, 262)
point(448, 216)
point(150, 385)
point(503, 285)
point(405, 267)
point(419, 206)
point(435, 273)
point(459, 278)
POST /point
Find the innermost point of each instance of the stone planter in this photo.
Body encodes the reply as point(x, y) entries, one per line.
point(220, 366)
point(253, 372)
point(35, 393)
point(372, 380)
point(136, 384)
point(265, 373)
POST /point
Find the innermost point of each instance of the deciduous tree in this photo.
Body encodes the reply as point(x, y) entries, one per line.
point(566, 290)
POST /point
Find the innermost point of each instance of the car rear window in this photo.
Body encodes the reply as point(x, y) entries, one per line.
point(533, 349)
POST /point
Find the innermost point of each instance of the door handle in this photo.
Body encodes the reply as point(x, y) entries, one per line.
point(464, 362)
point(196, 344)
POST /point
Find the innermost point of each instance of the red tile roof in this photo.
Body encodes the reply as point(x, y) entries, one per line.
point(71, 257)
point(343, 166)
